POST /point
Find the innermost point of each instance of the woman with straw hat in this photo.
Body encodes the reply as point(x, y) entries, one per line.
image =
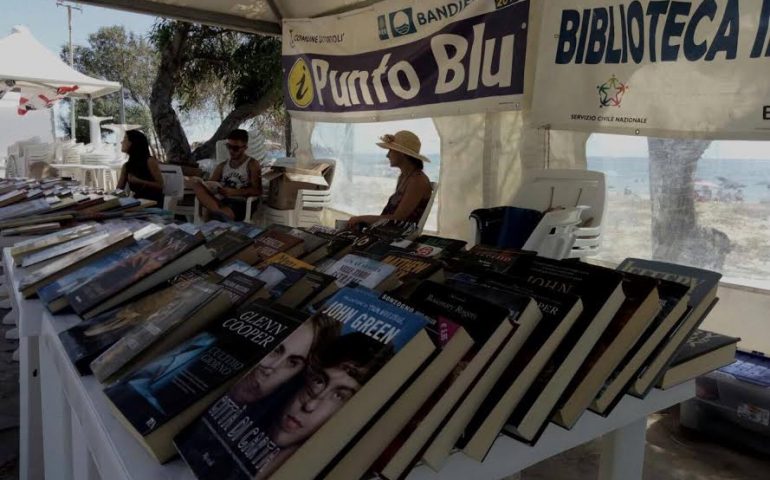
point(413, 189)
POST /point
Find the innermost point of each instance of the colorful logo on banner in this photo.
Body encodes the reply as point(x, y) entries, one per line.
point(611, 92)
point(401, 23)
point(301, 89)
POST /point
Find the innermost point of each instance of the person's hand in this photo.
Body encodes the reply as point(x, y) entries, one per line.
point(354, 222)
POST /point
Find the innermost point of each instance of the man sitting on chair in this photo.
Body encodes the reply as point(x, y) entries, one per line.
point(224, 196)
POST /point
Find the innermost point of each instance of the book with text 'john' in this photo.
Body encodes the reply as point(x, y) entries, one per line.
point(157, 401)
point(357, 353)
point(601, 292)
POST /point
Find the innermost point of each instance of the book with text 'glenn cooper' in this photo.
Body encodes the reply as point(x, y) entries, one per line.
point(89, 339)
point(184, 316)
point(488, 325)
point(157, 401)
point(559, 312)
point(126, 278)
point(368, 350)
point(639, 309)
point(673, 304)
point(701, 353)
point(703, 285)
point(601, 292)
point(60, 267)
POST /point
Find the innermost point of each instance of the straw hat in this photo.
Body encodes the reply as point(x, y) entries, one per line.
point(405, 142)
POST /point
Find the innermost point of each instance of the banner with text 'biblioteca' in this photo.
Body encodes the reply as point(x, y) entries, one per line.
point(695, 68)
point(404, 59)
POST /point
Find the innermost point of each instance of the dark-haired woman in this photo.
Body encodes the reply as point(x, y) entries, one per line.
point(141, 172)
point(413, 190)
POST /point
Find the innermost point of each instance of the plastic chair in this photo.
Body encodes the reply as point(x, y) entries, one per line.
point(251, 211)
point(174, 190)
point(573, 202)
point(426, 213)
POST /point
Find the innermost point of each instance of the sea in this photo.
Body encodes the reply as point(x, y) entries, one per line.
point(729, 179)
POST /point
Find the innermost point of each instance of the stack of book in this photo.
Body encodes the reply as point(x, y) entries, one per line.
point(304, 353)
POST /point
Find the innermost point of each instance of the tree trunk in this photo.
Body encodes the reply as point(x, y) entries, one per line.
point(165, 119)
point(676, 234)
point(233, 120)
point(287, 135)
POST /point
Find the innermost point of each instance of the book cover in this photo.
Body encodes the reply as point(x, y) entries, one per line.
point(285, 422)
point(600, 290)
point(436, 247)
point(32, 245)
point(364, 271)
point(62, 249)
point(241, 287)
point(159, 323)
point(269, 243)
point(488, 326)
point(57, 289)
point(559, 312)
point(238, 266)
point(64, 265)
point(249, 229)
point(130, 270)
point(87, 340)
point(411, 268)
point(227, 244)
point(638, 311)
point(313, 286)
point(27, 208)
point(310, 242)
point(701, 353)
point(751, 367)
point(38, 229)
point(160, 399)
point(286, 260)
point(673, 303)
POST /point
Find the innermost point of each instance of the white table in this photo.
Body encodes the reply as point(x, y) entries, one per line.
point(102, 176)
point(82, 440)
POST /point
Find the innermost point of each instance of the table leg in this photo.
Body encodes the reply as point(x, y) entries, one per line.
point(57, 419)
point(30, 416)
point(623, 452)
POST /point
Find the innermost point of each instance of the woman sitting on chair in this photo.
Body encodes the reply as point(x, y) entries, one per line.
point(232, 181)
point(141, 172)
point(413, 189)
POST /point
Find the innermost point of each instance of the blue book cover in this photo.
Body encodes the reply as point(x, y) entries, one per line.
point(50, 292)
point(285, 399)
point(750, 367)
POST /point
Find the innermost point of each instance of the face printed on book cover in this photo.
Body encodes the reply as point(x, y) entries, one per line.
point(278, 367)
point(325, 391)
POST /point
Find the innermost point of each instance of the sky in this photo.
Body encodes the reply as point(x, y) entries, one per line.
point(48, 22)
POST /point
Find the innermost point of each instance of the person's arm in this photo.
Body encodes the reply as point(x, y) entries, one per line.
point(157, 177)
point(123, 178)
point(413, 195)
point(255, 183)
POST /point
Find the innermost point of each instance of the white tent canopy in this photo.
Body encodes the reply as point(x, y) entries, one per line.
point(26, 61)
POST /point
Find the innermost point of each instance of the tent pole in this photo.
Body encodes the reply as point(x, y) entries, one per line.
point(53, 123)
point(122, 106)
point(73, 120)
point(90, 106)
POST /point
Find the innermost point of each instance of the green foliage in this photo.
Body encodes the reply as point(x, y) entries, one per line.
point(116, 55)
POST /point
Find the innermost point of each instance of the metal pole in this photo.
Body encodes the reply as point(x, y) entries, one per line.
point(122, 106)
point(73, 114)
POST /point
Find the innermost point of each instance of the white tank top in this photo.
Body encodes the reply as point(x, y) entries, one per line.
point(236, 177)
